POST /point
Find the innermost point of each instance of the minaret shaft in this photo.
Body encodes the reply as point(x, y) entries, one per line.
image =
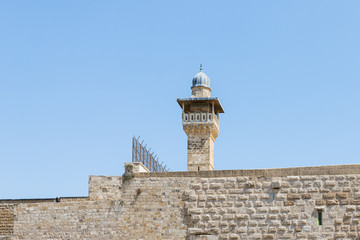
point(201, 138)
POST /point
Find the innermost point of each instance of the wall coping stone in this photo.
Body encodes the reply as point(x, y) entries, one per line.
point(346, 169)
point(38, 200)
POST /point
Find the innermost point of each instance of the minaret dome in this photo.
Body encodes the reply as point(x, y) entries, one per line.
point(200, 85)
point(201, 80)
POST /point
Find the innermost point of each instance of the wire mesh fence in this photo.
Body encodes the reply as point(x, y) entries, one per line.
point(141, 154)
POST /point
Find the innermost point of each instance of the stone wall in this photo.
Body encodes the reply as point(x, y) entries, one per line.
point(232, 204)
point(148, 209)
point(275, 208)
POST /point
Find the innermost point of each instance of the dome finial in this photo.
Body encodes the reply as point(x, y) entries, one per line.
point(200, 67)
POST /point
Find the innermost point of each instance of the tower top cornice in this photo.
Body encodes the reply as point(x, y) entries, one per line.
point(185, 102)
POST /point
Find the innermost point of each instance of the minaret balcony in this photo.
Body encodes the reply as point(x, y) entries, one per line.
point(198, 117)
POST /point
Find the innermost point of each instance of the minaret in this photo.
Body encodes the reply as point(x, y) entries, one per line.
point(200, 119)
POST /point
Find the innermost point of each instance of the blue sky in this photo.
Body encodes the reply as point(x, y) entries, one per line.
point(78, 79)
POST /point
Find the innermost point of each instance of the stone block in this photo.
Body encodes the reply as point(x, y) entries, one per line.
point(196, 186)
point(355, 202)
point(201, 204)
point(357, 195)
point(224, 236)
point(276, 184)
point(289, 203)
point(258, 204)
point(293, 196)
point(264, 196)
point(212, 224)
point(350, 208)
point(262, 210)
point(268, 236)
point(253, 223)
point(216, 217)
point(275, 223)
point(338, 221)
point(324, 190)
point(215, 185)
point(202, 198)
point(223, 224)
point(293, 178)
point(339, 235)
point(233, 236)
point(308, 177)
point(292, 215)
point(231, 210)
point(313, 190)
point(281, 229)
point(330, 183)
point(313, 235)
point(255, 235)
point(251, 210)
point(222, 210)
point(243, 197)
point(195, 211)
point(253, 197)
point(195, 231)
point(204, 237)
point(195, 217)
point(342, 195)
point(192, 198)
point(328, 195)
point(242, 216)
point(209, 204)
point(332, 202)
point(352, 235)
point(259, 216)
point(280, 196)
point(235, 191)
point(274, 210)
point(250, 184)
point(206, 217)
point(229, 185)
point(242, 179)
point(306, 195)
point(285, 210)
point(229, 217)
point(211, 197)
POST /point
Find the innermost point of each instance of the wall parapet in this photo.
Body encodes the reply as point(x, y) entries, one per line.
point(105, 187)
point(272, 172)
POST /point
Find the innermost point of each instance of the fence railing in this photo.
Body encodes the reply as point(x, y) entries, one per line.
point(141, 154)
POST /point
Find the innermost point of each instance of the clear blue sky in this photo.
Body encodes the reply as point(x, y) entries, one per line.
point(79, 78)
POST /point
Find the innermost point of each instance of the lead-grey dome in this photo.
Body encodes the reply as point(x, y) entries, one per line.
point(201, 80)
